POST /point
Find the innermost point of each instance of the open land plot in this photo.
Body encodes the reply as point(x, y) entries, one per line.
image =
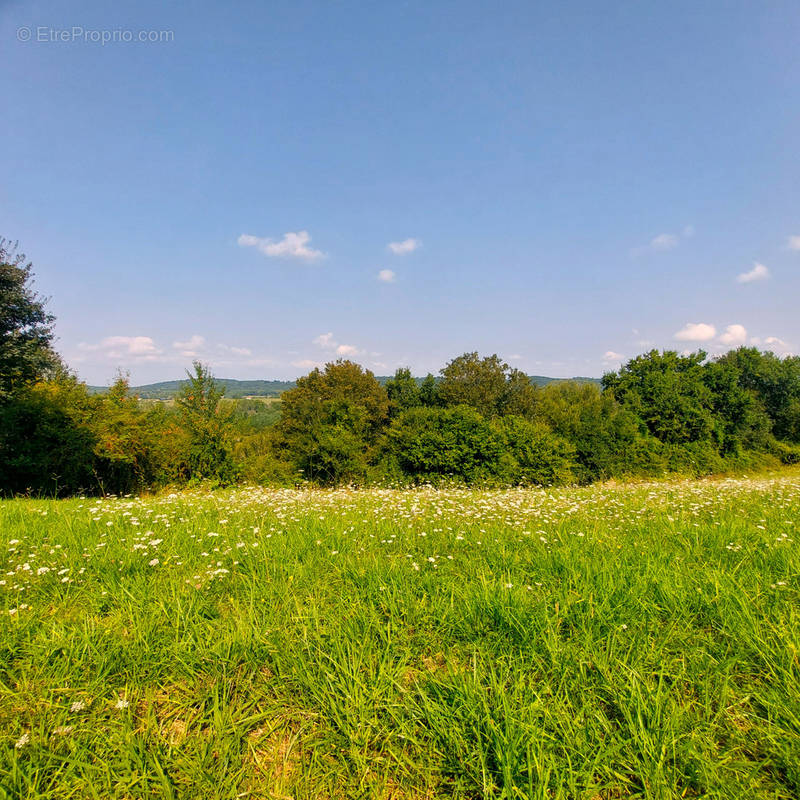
point(601, 642)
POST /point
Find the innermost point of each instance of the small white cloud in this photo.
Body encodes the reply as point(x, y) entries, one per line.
point(386, 275)
point(190, 347)
point(292, 245)
point(793, 243)
point(611, 357)
point(139, 347)
point(404, 247)
point(325, 340)
point(306, 363)
point(664, 241)
point(235, 351)
point(758, 273)
point(734, 336)
point(776, 345)
point(515, 357)
point(696, 332)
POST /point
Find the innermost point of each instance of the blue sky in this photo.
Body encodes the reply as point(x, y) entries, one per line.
point(566, 184)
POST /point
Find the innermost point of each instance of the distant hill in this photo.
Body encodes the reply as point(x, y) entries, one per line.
point(233, 389)
point(542, 380)
point(237, 389)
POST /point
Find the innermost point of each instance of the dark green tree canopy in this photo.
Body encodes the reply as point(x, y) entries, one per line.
point(668, 392)
point(26, 329)
point(332, 420)
point(403, 391)
point(488, 385)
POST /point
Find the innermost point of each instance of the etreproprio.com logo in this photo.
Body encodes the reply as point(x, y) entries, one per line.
point(79, 34)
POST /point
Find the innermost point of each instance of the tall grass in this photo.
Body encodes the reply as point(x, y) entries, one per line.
point(601, 642)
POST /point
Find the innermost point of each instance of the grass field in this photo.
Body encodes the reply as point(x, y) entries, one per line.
point(602, 642)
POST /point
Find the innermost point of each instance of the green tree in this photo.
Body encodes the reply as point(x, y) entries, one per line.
point(435, 444)
point(209, 427)
point(668, 392)
point(739, 412)
point(609, 439)
point(403, 391)
point(775, 382)
point(429, 392)
point(135, 447)
point(488, 385)
point(332, 421)
point(26, 329)
point(46, 439)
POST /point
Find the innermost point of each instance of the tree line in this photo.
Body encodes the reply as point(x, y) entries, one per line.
point(480, 422)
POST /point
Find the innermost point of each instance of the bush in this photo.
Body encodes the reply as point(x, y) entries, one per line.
point(609, 440)
point(46, 443)
point(259, 460)
point(532, 454)
point(436, 445)
point(431, 445)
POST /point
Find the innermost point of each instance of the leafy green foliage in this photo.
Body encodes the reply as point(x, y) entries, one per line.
point(208, 424)
point(488, 385)
point(609, 439)
point(667, 391)
point(46, 440)
point(332, 421)
point(775, 383)
point(26, 329)
point(432, 445)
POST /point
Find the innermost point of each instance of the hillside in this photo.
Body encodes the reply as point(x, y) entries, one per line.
point(262, 388)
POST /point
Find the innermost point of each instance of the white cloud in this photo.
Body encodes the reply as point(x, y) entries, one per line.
point(664, 241)
point(775, 344)
point(306, 363)
point(758, 273)
point(293, 245)
point(612, 357)
point(404, 247)
point(794, 243)
point(696, 332)
point(138, 347)
point(734, 335)
point(235, 351)
point(386, 275)
point(190, 347)
point(327, 342)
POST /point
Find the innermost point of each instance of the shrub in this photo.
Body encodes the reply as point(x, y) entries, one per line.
point(435, 445)
point(532, 454)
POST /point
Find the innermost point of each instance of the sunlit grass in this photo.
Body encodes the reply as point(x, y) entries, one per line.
point(601, 642)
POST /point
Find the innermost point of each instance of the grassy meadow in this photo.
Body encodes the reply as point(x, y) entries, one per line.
point(613, 641)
